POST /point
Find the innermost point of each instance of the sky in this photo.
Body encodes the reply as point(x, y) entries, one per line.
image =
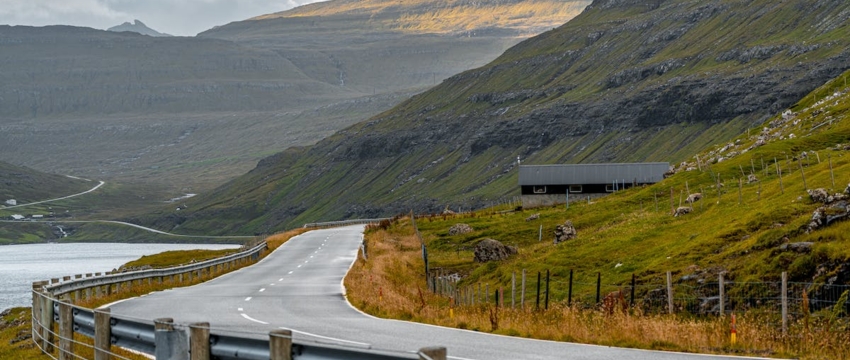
point(175, 17)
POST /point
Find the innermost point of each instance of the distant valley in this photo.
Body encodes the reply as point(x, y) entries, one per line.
point(188, 114)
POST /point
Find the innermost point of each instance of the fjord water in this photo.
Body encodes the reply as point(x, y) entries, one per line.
point(21, 265)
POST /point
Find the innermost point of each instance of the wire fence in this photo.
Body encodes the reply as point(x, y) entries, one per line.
point(787, 300)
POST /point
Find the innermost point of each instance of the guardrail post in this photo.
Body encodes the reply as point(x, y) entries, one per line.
point(199, 341)
point(46, 313)
point(280, 345)
point(102, 334)
point(170, 344)
point(66, 331)
point(36, 309)
point(432, 353)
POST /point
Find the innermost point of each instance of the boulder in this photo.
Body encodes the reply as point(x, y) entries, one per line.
point(683, 210)
point(565, 232)
point(694, 197)
point(458, 229)
point(533, 217)
point(492, 250)
point(752, 178)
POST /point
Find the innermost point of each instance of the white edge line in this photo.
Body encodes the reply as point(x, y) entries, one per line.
point(345, 296)
point(327, 337)
point(254, 320)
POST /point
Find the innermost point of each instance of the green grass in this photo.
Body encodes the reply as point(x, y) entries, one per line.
point(177, 257)
point(741, 236)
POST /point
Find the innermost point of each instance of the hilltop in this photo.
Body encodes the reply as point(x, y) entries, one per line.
point(137, 27)
point(623, 81)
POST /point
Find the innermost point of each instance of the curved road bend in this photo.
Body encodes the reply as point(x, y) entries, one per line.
point(299, 287)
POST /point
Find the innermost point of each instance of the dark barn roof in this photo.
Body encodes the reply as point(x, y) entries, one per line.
point(570, 174)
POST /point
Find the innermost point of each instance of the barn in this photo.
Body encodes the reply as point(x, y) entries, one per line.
point(545, 185)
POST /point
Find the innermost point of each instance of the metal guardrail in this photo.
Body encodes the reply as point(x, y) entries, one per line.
point(174, 341)
point(69, 286)
point(328, 224)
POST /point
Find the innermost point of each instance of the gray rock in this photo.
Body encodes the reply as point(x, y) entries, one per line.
point(683, 210)
point(458, 229)
point(819, 195)
point(752, 178)
point(492, 250)
point(798, 247)
point(692, 198)
point(533, 217)
point(565, 232)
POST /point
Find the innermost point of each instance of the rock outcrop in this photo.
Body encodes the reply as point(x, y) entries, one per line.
point(565, 232)
point(458, 229)
point(492, 250)
point(533, 217)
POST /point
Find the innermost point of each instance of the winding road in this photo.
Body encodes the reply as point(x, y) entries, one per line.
point(299, 287)
point(57, 199)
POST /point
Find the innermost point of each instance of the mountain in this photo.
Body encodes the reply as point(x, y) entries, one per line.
point(192, 112)
point(385, 45)
point(137, 27)
point(626, 80)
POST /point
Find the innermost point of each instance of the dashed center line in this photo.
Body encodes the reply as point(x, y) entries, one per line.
point(299, 265)
point(263, 289)
point(281, 279)
point(287, 274)
point(248, 298)
point(240, 309)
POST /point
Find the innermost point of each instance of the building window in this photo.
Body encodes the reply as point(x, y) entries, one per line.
point(609, 188)
point(540, 189)
point(575, 188)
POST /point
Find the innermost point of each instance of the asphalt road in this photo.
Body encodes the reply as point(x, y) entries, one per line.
point(299, 287)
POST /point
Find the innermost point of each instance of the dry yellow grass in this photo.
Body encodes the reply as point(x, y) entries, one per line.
point(391, 284)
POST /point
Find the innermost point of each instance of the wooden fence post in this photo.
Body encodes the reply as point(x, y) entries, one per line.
point(722, 287)
point(784, 302)
point(670, 293)
point(522, 291)
point(513, 289)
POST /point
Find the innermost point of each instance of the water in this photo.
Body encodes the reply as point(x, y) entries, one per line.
point(21, 265)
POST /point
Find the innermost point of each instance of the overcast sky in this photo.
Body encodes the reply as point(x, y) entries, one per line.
point(176, 17)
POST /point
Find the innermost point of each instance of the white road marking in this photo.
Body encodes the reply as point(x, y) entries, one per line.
point(290, 273)
point(240, 309)
point(311, 256)
point(272, 284)
point(328, 338)
point(263, 289)
point(281, 279)
point(299, 265)
point(248, 298)
point(254, 320)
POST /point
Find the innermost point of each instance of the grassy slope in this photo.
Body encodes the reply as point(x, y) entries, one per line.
point(741, 238)
point(27, 185)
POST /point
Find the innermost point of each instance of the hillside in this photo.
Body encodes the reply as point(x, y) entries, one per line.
point(623, 81)
point(189, 113)
point(26, 185)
